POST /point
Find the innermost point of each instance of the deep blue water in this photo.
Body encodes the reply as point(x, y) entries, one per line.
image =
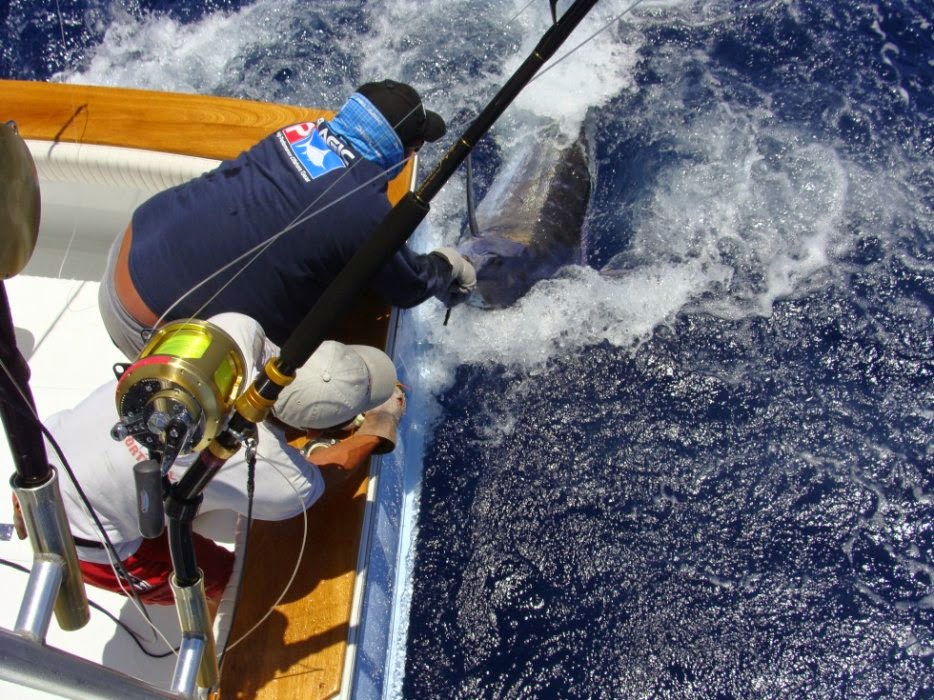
point(707, 472)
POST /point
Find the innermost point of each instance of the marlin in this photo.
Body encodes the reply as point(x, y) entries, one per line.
point(529, 223)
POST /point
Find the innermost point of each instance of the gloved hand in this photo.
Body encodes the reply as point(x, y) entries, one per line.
point(383, 421)
point(463, 277)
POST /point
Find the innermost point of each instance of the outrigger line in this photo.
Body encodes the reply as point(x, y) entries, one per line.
point(251, 407)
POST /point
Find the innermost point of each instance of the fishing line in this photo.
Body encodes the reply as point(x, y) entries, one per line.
point(385, 241)
point(250, 484)
point(115, 562)
point(556, 61)
point(586, 41)
point(76, 110)
point(257, 250)
point(45, 335)
point(471, 211)
point(519, 13)
point(120, 573)
point(100, 608)
point(117, 566)
point(132, 594)
point(298, 562)
point(305, 215)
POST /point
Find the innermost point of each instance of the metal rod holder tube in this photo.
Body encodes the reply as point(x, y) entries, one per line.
point(190, 654)
point(195, 621)
point(45, 581)
point(48, 530)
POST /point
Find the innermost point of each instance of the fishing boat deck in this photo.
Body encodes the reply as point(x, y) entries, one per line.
point(299, 651)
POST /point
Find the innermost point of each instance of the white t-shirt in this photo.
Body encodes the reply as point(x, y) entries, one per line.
point(286, 484)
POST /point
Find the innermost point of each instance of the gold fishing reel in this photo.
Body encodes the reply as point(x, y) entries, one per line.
point(178, 394)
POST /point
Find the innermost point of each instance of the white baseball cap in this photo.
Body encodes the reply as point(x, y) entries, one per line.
point(337, 383)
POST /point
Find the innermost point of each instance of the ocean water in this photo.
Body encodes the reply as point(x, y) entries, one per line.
point(698, 465)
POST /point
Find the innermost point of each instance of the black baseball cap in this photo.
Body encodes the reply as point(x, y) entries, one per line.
point(403, 109)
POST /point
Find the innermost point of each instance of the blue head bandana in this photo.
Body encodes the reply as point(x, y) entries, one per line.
point(368, 132)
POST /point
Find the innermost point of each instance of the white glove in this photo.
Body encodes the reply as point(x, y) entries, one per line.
point(462, 272)
point(463, 277)
point(383, 421)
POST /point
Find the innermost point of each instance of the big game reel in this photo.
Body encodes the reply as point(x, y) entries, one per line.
point(178, 394)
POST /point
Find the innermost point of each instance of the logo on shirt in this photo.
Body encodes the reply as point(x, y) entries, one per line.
point(135, 449)
point(308, 151)
point(335, 143)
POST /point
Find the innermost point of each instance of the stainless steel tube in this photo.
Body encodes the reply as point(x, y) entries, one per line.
point(50, 670)
point(45, 581)
point(186, 668)
point(49, 534)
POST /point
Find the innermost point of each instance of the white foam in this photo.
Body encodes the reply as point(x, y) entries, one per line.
point(160, 53)
point(578, 308)
point(592, 67)
point(768, 217)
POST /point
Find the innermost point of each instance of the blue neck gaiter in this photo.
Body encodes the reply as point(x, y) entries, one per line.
point(368, 132)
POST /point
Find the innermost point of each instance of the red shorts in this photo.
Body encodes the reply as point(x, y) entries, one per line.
point(151, 566)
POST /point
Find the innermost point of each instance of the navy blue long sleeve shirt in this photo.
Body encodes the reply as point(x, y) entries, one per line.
point(304, 177)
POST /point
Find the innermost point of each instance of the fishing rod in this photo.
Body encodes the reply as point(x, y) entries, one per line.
point(35, 483)
point(402, 221)
point(252, 406)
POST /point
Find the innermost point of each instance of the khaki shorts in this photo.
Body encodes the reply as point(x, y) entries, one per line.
point(125, 331)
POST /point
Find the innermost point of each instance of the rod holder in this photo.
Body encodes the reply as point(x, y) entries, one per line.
point(45, 581)
point(195, 621)
point(44, 515)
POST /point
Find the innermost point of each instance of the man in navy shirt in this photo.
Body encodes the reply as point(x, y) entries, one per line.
point(212, 244)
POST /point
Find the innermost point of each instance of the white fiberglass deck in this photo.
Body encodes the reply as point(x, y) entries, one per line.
point(59, 331)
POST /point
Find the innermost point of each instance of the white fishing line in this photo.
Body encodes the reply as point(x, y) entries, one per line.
point(88, 511)
point(133, 598)
point(74, 110)
point(586, 41)
point(256, 251)
point(298, 562)
point(521, 11)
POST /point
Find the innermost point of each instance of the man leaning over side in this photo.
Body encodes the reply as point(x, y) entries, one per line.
point(191, 250)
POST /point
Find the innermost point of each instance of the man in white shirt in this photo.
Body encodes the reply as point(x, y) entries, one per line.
point(338, 383)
